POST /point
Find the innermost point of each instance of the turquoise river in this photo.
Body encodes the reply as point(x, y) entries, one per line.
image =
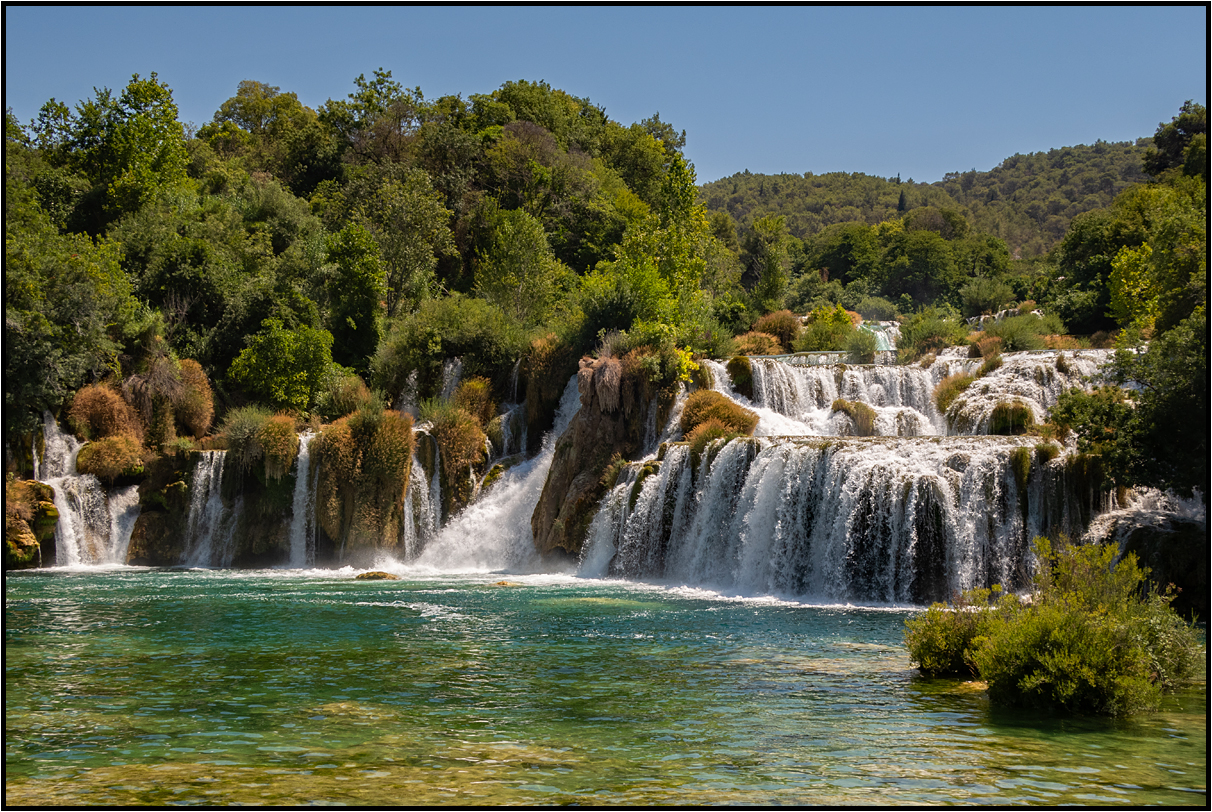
point(129, 686)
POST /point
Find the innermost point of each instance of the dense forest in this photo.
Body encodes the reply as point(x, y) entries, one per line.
point(311, 262)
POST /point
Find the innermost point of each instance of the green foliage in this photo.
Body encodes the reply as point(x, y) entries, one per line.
point(284, 367)
point(1091, 640)
point(279, 444)
point(928, 331)
point(517, 270)
point(740, 370)
point(767, 261)
point(1024, 332)
point(705, 404)
point(861, 346)
point(707, 432)
point(457, 326)
point(1177, 145)
point(194, 408)
point(474, 396)
point(940, 640)
point(342, 391)
point(356, 289)
point(1146, 435)
point(241, 430)
point(982, 295)
point(876, 308)
point(828, 329)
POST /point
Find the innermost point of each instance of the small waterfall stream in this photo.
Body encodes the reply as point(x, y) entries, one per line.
point(94, 526)
point(303, 509)
point(210, 522)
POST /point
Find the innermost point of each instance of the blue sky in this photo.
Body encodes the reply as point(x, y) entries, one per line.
point(915, 91)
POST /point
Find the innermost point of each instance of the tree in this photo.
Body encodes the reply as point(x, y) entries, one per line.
point(767, 261)
point(356, 290)
point(517, 271)
point(1182, 144)
point(920, 264)
point(131, 148)
point(1156, 432)
point(284, 367)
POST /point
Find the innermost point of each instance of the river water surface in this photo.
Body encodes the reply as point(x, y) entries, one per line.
point(135, 686)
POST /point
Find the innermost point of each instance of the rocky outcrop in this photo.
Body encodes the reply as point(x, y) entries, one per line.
point(612, 420)
point(159, 538)
point(29, 522)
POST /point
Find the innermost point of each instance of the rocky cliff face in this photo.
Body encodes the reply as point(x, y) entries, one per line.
point(612, 421)
point(29, 523)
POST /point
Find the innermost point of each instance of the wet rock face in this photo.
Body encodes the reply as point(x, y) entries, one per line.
point(574, 484)
point(1176, 552)
point(29, 523)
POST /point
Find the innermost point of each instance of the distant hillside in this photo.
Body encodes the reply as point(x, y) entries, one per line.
point(1028, 200)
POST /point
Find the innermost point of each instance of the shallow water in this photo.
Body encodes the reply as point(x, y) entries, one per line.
point(134, 686)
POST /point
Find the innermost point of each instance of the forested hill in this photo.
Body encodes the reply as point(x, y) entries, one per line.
point(1027, 200)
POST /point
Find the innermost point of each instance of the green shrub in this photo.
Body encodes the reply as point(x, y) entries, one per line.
point(950, 388)
point(876, 308)
point(1046, 452)
point(827, 330)
point(111, 457)
point(1014, 417)
point(1093, 639)
point(1025, 332)
point(782, 324)
point(460, 444)
point(341, 392)
point(194, 408)
point(861, 414)
point(940, 640)
point(740, 370)
point(982, 295)
point(474, 396)
point(706, 404)
point(986, 346)
point(1020, 463)
point(928, 331)
point(241, 429)
point(992, 364)
point(704, 433)
point(861, 346)
point(755, 343)
point(283, 367)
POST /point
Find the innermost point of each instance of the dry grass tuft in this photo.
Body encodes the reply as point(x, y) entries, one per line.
point(707, 404)
point(756, 343)
point(98, 411)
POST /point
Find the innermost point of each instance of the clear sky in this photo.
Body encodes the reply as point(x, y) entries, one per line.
point(909, 90)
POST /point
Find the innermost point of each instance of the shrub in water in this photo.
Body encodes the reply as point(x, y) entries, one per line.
point(950, 388)
point(782, 324)
point(1014, 417)
point(928, 331)
point(862, 415)
point(861, 346)
point(755, 343)
point(876, 308)
point(992, 364)
point(111, 457)
point(1092, 639)
point(342, 392)
point(740, 370)
point(460, 445)
point(706, 404)
point(1025, 332)
point(98, 411)
point(827, 330)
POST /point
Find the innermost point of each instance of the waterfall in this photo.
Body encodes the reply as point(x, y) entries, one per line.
point(303, 509)
point(420, 512)
point(452, 375)
point(211, 523)
point(94, 527)
point(876, 520)
point(493, 533)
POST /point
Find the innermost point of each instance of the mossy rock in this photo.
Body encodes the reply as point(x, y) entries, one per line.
point(376, 575)
point(740, 370)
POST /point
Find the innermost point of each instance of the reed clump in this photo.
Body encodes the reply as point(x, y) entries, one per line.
point(279, 445)
point(706, 404)
point(860, 414)
point(758, 343)
point(98, 411)
point(950, 388)
point(708, 431)
point(861, 346)
point(1011, 418)
point(194, 407)
point(474, 396)
point(111, 458)
point(241, 432)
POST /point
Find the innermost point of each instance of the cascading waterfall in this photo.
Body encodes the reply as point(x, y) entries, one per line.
point(420, 512)
point(877, 520)
point(94, 526)
point(303, 509)
point(493, 533)
point(210, 522)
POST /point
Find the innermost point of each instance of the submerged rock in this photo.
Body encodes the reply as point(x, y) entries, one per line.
point(376, 575)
